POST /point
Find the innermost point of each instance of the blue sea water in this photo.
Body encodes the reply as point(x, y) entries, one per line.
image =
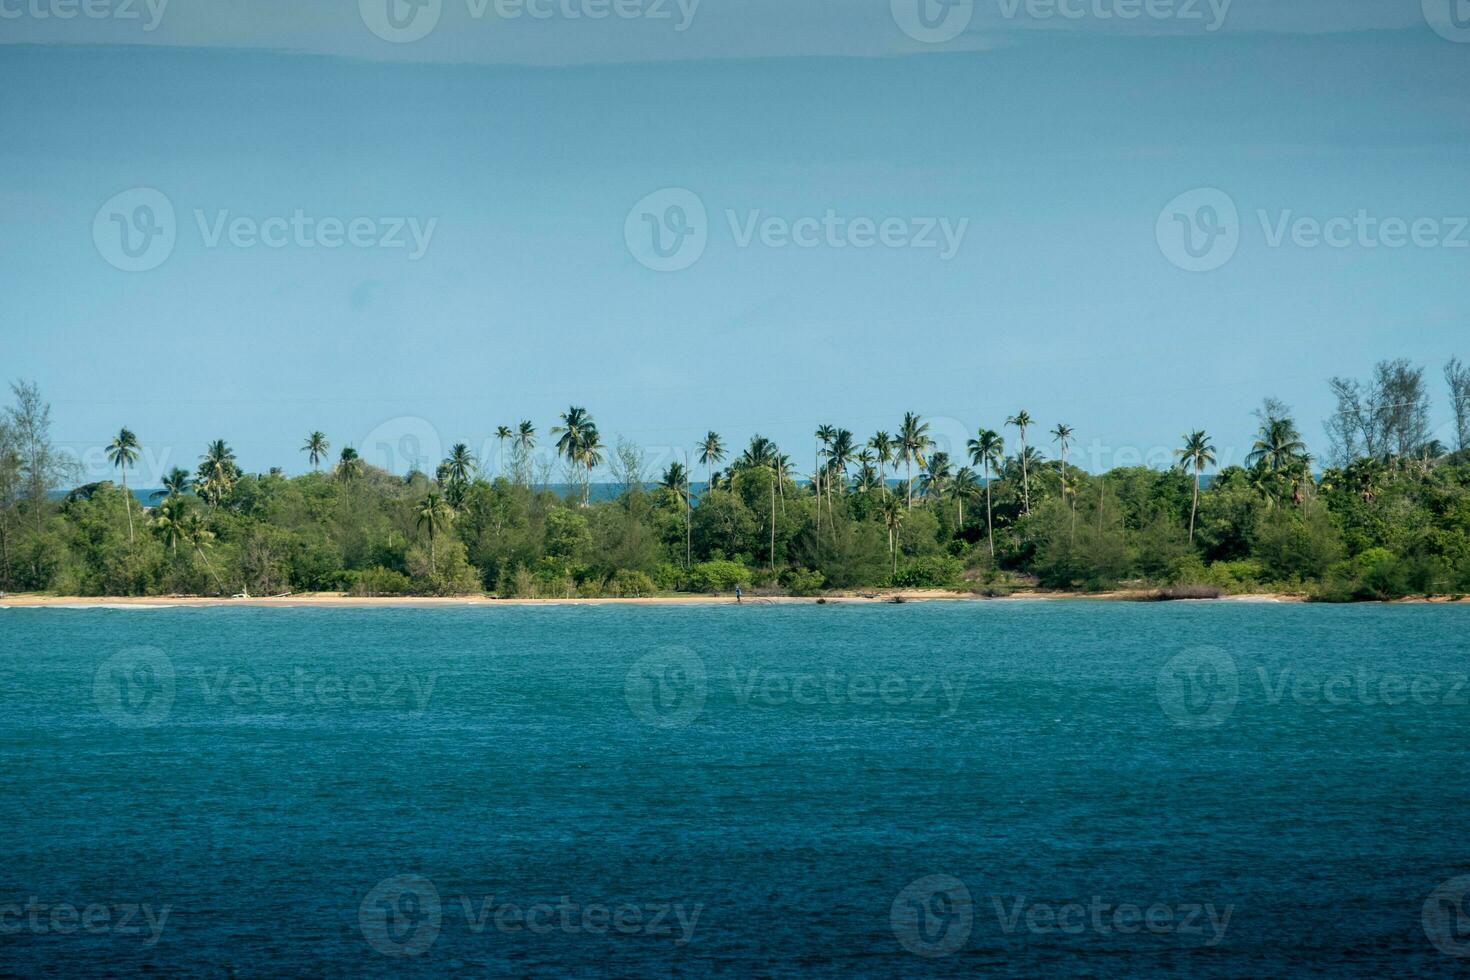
point(1081, 789)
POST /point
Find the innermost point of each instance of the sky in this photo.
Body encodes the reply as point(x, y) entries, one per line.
point(1138, 217)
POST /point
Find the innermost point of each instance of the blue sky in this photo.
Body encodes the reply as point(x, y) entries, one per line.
point(520, 146)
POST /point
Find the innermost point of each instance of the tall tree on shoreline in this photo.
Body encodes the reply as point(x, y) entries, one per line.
point(1020, 420)
point(316, 448)
point(893, 513)
point(676, 481)
point(525, 442)
point(882, 446)
point(175, 484)
point(434, 514)
point(122, 453)
point(711, 451)
point(824, 445)
point(1196, 453)
point(913, 440)
point(986, 448)
point(1062, 434)
point(502, 433)
point(217, 472)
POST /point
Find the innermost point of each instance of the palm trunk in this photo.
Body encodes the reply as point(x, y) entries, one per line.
point(773, 521)
point(908, 469)
point(1025, 476)
point(128, 504)
point(1194, 507)
point(989, 522)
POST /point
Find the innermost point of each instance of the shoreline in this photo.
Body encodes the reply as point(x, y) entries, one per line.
point(340, 600)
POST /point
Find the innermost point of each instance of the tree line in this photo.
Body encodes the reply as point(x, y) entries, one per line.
point(1385, 514)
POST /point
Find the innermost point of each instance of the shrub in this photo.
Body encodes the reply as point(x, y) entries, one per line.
point(629, 584)
point(802, 581)
point(929, 572)
point(377, 581)
point(718, 576)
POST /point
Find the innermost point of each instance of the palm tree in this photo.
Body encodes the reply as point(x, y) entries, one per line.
point(197, 533)
point(839, 459)
point(882, 446)
point(525, 442)
point(580, 444)
point(1020, 420)
point(502, 433)
point(824, 442)
point(1062, 434)
point(169, 522)
point(435, 514)
point(1278, 447)
point(175, 484)
point(1196, 454)
point(893, 515)
point(934, 481)
point(461, 463)
point(986, 448)
point(349, 465)
point(676, 481)
point(122, 453)
point(963, 486)
point(913, 440)
point(316, 447)
point(217, 472)
point(711, 451)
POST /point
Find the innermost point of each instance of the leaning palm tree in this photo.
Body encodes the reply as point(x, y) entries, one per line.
point(1196, 454)
point(502, 433)
point(1063, 434)
point(176, 483)
point(1020, 420)
point(197, 533)
point(882, 446)
point(169, 522)
point(913, 440)
point(711, 451)
point(434, 514)
point(986, 448)
point(122, 453)
point(316, 447)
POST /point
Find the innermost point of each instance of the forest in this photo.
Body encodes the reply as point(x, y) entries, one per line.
point(1382, 513)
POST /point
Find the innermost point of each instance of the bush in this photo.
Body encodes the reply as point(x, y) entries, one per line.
point(929, 572)
point(803, 581)
point(718, 576)
point(629, 584)
point(377, 581)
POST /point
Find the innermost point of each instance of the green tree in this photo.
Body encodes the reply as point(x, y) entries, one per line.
point(316, 448)
point(122, 453)
point(913, 442)
point(1021, 420)
point(711, 451)
point(1196, 453)
point(986, 449)
point(434, 515)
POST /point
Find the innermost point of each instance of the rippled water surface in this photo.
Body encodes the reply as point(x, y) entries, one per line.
point(955, 789)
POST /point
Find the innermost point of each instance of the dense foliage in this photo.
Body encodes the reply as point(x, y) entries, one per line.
point(890, 511)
